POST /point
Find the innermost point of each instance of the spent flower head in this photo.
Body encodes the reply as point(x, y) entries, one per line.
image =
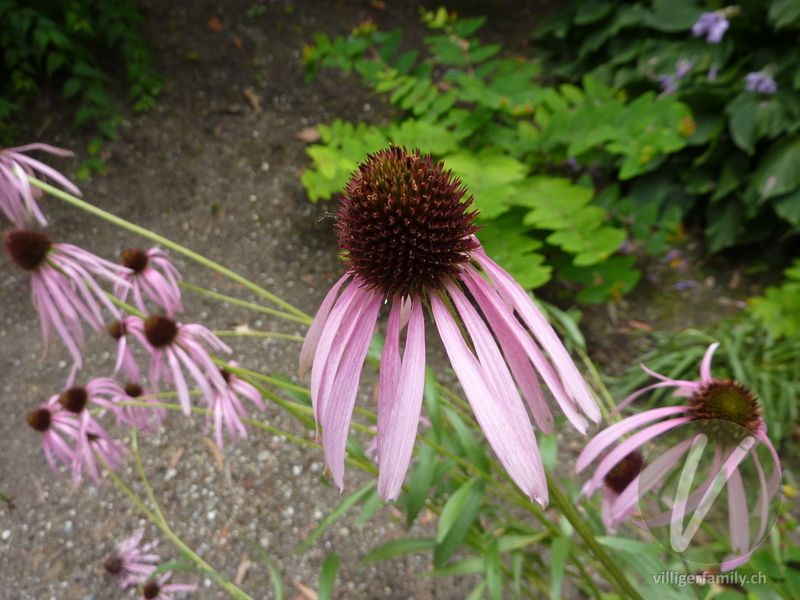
point(17, 195)
point(724, 411)
point(407, 235)
point(63, 285)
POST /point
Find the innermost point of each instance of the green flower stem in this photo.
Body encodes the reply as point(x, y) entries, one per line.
point(260, 334)
point(598, 381)
point(613, 573)
point(159, 522)
point(245, 304)
point(98, 212)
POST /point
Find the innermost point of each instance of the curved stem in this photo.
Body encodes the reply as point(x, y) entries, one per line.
point(146, 233)
point(613, 573)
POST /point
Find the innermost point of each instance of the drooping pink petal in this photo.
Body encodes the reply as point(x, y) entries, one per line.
point(543, 331)
point(502, 422)
point(311, 342)
point(399, 408)
point(644, 390)
point(629, 445)
point(338, 410)
point(611, 434)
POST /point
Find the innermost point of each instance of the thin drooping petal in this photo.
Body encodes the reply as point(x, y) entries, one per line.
point(608, 436)
point(544, 333)
point(399, 407)
point(337, 411)
point(311, 342)
point(629, 445)
point(644, 390)
point(500, 420)
point(705, 364)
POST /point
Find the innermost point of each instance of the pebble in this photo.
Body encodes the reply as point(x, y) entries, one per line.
point(5, 535)
point(170, 474)
point(264, 455)
point(211, 515)
point(67, 528)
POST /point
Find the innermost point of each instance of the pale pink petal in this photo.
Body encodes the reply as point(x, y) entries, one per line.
point(311, 342)
point(499, 419)
point(337, 412)
point(399, 408)
point(611, 434)
point(705, 365)
point(738, 515)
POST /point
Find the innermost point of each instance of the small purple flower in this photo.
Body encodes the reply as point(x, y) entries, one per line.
point(761, 82)
point(132, 565)
point(172, 345)
point(408, 237)
point(671, 83)
point(709, 400)
point(685, 284)
point(161, 590)
point(63, 287)
point(161, 286)
point(227, 407)
point(713, 25)
point(17, 196)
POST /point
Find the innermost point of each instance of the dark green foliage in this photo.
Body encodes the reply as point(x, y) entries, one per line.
point(72, 47)
point(739, 171)
point(513, 142)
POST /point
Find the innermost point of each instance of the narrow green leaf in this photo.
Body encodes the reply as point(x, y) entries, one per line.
point(277, 580)
point(327, 577)
point(371, 504)
point(398, 547)
point(559, 552)
point(466, 438)
point(453, 508)
point(337, 512)
point(465, 566)
point(421, 481)
point(174, 565)
point(631, 546)
point(457, 531)
point(494, 582)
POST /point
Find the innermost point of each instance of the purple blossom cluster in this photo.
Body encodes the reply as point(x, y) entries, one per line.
point(713, 25)
point(761, 82)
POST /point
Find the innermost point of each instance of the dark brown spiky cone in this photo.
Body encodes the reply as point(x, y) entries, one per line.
point(403, 224)
point(721, 402)
point(135, 259)
point(27, 248)
point(624, 472)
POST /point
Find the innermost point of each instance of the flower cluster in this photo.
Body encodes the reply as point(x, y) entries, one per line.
point(66, 288)
point(722, 410)
point(408, 237)
point(761, 82)
point(132, 565)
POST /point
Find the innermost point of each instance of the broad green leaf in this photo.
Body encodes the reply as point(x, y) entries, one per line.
point(398, 547)
point(337, 512)
point(788, 207)
point(724, 220)
point(592, 11)
point(505, 240)
point(454, 507)
point(779, 171)
point(467, 507)
point(327, 577)
point(743, 120)
point(428, 138)
point(488, 176)
point(784, 13)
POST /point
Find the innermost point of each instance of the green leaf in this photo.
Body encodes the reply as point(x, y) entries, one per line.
point(494, 581)
point(398, 547)
point(429, 138)
point(506, 241)
point(592, 11)
point(337, 512)
point(489, 176)
point(327, 577)
point(371, 505)
point(458, 514)
point(71, 87)
point(784, 13)
point(277, 581)
point(779, 171)
point(731, 176)
point(743, 120)
point(724, 220)
point(174, 565)
point(421, 481)
point(465, 566)
point(559, 552)
point(548, 447)
point(466, 437)
point(629, 546)
point(673, 15)
point(788, 207)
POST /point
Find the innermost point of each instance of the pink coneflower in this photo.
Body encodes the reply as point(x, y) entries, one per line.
point(132, 565)
point(63, 287)
point(161, 286)
point(17, 196)
point(56, 426)
point(171, 345)
point(712, 404)
point(407, 236)
point(227, 407)
point(160, 590)
point(146, 418)
point(90, 434)
point(125, 359)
